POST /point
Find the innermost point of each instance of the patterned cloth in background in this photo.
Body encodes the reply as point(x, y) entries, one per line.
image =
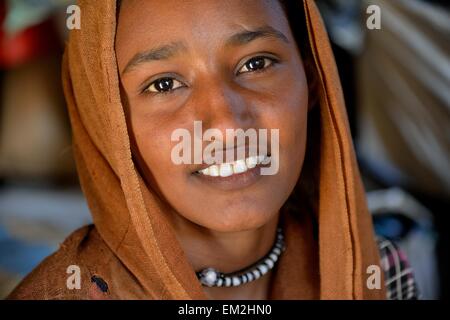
point(398, 275)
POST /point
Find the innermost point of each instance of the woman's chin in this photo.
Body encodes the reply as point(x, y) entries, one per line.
point(238, 221)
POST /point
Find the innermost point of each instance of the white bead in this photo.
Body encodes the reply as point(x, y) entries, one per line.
point(263, 268)
point(269, 263)
point(236, 281)
point(209, 277)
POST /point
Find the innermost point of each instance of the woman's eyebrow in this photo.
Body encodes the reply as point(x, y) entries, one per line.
point(247, 36)
point(159, 53)
point(172, 49)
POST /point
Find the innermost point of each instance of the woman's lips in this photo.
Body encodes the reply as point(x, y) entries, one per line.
point(235, 175)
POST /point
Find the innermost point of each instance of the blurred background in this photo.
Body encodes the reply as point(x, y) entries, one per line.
point(396, 83)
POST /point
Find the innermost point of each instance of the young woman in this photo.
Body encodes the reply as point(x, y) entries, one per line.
point(138, 71)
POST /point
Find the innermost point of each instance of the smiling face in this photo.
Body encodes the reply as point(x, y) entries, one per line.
point(231, 65)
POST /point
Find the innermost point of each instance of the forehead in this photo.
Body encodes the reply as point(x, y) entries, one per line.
point(137, 14)
point(144, 23)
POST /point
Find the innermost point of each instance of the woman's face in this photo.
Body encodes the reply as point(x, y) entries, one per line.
point(231, 65)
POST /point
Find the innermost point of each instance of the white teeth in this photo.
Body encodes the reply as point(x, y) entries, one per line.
point(261, 158)
point(251, 162)
point(239, 166)
point(214, 171)
point(236, 167)
point(226, 170)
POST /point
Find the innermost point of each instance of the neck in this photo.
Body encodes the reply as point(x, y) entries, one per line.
point(228, 252)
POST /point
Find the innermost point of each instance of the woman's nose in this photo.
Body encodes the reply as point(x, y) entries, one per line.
point(222, 106)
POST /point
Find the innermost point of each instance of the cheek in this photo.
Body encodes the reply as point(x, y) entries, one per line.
point(154, 145)
point(289, 114)
point(297, 132)
point(296, 127)
point(291, 119)
point(297, 109)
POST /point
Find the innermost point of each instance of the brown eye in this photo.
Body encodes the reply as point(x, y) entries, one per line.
point(164, 85)
point(256, 63)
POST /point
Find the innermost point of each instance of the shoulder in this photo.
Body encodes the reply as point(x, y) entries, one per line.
point(398, 274)
point(76, 256)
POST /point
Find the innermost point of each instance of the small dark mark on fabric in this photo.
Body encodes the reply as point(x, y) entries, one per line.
point(101, 284)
